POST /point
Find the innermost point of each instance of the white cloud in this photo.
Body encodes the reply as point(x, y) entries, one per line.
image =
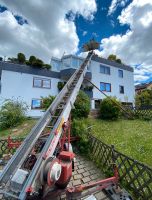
point(84, 33)
point(134, 46)
point(115, 4)
point(48, 32)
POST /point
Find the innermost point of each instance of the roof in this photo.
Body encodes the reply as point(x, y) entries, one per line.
point(28, 70)
point(142, 86)
point(111, 63)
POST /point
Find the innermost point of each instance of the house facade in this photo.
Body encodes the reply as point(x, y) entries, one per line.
point(31, 84)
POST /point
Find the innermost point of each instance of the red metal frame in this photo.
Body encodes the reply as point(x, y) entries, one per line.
point(12, 144)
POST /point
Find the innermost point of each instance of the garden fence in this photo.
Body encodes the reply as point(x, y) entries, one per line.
point(141, 111)
point(132, 174)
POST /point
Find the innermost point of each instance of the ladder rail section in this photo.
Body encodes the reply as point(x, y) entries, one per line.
point(23, 151)
point(64, 115)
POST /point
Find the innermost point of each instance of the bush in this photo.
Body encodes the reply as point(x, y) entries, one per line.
point(47, 101)
point(80, 129)
point(108, 109)
point(12, 113)
point(60, 85)
point(82, 106)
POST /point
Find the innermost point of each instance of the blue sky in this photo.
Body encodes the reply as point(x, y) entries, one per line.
point(102, 26)
point(52, 28)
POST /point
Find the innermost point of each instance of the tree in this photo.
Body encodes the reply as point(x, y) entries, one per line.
point(38, 63)
point(144, 98)
point(1, 59)
point(113, 57)
point(32, 60)
point(21, 58)
point(82, 106)
point(118, 60)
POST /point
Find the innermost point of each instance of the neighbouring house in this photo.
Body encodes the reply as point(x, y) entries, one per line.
point(144, 86)
point(30, 84)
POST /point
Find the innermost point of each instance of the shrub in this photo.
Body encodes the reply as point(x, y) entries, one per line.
point(80, 129)
point(82, 106)
point(47, 101)
point(12, 113)
point(60, 85)
point(108, 109)
point(21, 58)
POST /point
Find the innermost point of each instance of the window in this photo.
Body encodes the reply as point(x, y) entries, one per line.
point(105, 87)
point(104, 69)
point(41, 83)
point(121, 89)
point(120, 73)
point(36, 104)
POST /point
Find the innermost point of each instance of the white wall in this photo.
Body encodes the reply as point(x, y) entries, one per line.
point(127, 81)
point(20, 85)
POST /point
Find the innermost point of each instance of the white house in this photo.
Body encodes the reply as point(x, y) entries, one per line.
point(30, 84)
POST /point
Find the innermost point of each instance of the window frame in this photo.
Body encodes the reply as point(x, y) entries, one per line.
point(104, 71)
point(105, 87)
point(120, 70)
point(40, 108)
point(42, 80)
point(120, 89)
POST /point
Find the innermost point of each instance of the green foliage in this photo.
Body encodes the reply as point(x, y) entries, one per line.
point(113, 57)
point(144, 98)
point(1, 59)
point(108, 109)
point(32, 60)
point(47, 101)
point(118, 60)
point(82, 106)
point(80, 129)
point(12, 113)
point(60, 85)
point(46, 66)
point(13, 60)
point(21, 58)
point(38, 63)
point(88, 88)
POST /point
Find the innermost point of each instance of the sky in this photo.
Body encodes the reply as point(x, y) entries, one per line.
point(56, 27)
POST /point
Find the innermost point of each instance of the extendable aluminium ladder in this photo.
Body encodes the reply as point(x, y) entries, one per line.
point(54, 117)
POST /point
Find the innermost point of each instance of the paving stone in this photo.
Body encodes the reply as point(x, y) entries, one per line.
point(74, 173)
point(80, 171)
point(100, 195)
point(94, 176)
point(80, 166)
point(86, 174)
point(76, 182)
point(86, 179)
point(92, 171)
point(78, 176)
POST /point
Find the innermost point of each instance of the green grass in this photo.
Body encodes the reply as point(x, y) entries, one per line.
point(131, 137)
point(20, 130)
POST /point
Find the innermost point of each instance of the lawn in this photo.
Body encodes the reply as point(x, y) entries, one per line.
point(20, 130)
point(131, 137)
